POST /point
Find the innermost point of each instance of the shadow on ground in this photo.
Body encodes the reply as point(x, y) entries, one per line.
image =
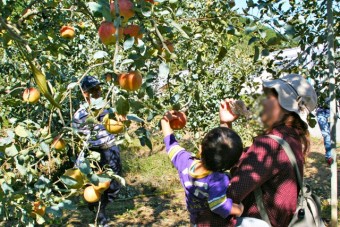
point(147, 210)
point(318, 176)
point(152, 196)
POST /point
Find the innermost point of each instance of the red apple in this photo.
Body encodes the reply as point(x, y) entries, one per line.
point(107, 33)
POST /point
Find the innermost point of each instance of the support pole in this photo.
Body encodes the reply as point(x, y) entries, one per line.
point(333, 117)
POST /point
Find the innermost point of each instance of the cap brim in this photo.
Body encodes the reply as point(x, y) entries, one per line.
point(99, 83)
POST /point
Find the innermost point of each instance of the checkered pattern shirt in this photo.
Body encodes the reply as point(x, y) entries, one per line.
point(98, 136)
point(266, 165)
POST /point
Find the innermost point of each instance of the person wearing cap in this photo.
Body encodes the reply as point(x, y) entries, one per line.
point(265, 164)
point(100, 141)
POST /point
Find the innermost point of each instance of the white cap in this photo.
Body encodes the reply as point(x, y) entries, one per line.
point(295, 93)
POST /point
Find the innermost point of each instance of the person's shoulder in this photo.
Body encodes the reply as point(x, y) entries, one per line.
point(264, 143)
point(219, 177)
point(80, 113)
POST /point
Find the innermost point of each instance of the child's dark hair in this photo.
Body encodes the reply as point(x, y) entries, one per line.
point(221, 149)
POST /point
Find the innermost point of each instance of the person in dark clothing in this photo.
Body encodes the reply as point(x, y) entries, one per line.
point(100, 141)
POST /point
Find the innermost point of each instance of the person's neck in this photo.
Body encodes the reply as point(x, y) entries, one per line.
point(199, 168)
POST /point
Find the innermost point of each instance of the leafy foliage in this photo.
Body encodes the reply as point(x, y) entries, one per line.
point(191, 55)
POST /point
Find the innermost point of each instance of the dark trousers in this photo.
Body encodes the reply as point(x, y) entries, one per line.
point(111, 157)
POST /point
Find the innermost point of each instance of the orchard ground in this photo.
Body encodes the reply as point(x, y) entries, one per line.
point(153, 195)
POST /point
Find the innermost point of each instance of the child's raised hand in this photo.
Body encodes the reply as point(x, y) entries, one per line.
point(170, 115)
point(165, 122)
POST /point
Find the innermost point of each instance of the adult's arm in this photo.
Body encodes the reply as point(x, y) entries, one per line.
point(257, 165)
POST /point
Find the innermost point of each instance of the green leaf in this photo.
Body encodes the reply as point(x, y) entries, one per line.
point(265, 52)
point(69, 181)
point(22, 170)
point(11, 151)
point(127, 137)
point(95, 8)
point(256, 53)
point(252, 40)
point(289, 30)
point(148, 142)
point(273, 41)
point(151, 116)
point(249, 30)
point(5, 141)
point(41, 183)
point(144, 138)
point(126, 61)
point(129, 43)
point(112, 175)
point(44, 147)
point(223, 52)
point(67, 204)
point(146, 11)
point(141, 46)
point(133, 117)
point(122, 106)
point(176, 106)
point(21, 131)
point(119, 179)
point(6, 188)
point(97, 104)
point(10, 133)
point(311, 120)
point(179, 28)
point(94, 179)
point(94, 156)
point(164, 70)
point(107, 14)
point(104, 177)
point(72, 85)
point(40, 220)
point(55, 210)
point(100, 54)
point(262, 33)
point(85, 167)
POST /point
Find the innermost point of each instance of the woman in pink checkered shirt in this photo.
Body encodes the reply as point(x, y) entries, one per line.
point(265, 164)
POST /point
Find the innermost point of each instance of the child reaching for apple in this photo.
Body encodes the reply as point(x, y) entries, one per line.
point(203, 179)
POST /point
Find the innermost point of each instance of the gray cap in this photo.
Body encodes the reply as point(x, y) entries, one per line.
point(296, 94)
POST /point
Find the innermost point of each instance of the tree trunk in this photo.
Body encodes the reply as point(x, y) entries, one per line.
point(333, 117)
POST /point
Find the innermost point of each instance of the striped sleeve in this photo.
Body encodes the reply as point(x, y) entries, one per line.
point(177, 154)
point(217, 199)
point(79, 120)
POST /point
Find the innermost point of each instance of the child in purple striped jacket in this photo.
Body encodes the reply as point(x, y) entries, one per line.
point(203, 179)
